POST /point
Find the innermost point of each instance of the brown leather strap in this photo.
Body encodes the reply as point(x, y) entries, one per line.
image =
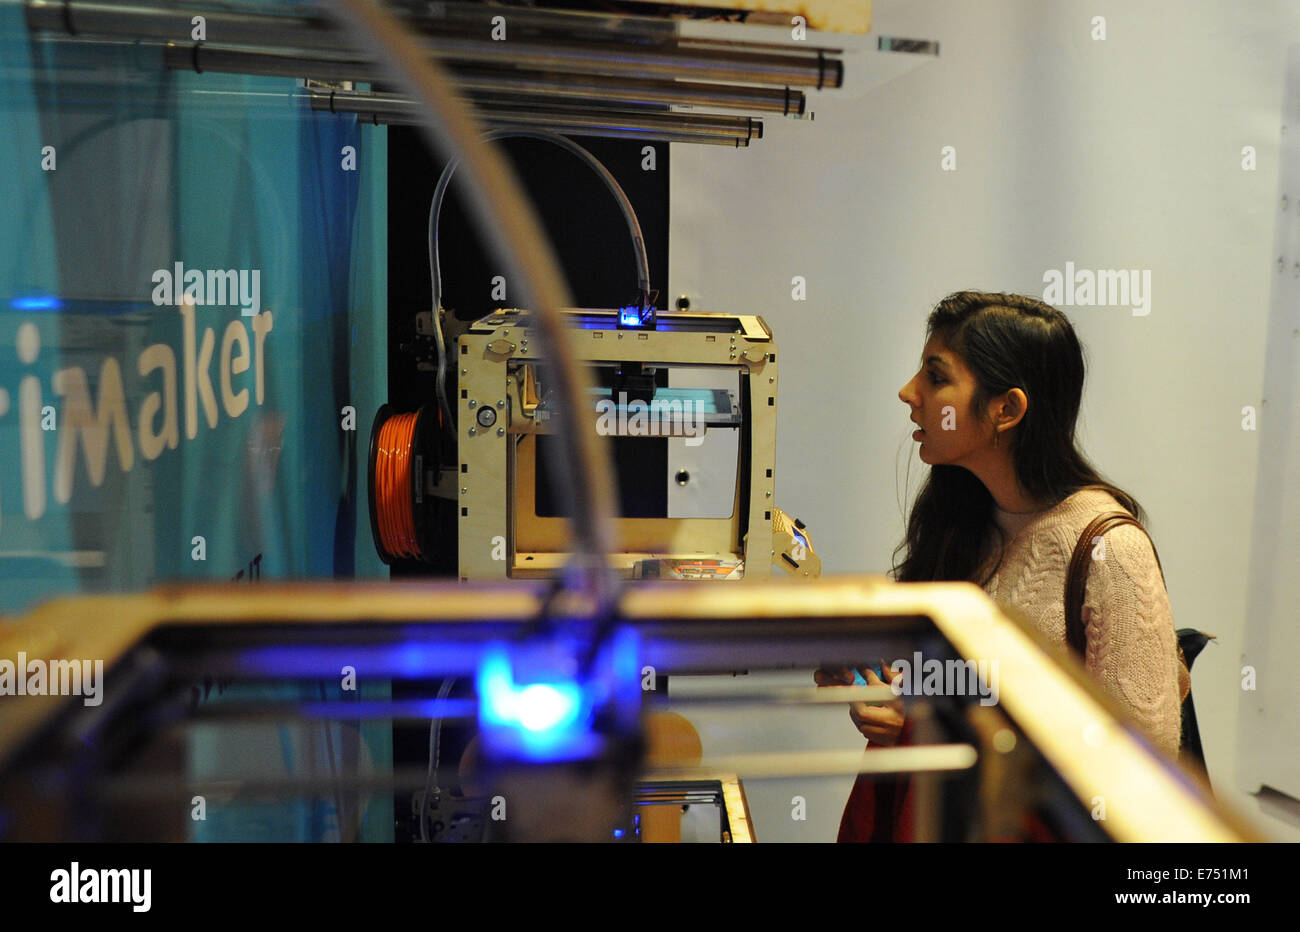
point(1077, 574)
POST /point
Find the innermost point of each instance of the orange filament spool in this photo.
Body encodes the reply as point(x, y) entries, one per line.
point(395, 465)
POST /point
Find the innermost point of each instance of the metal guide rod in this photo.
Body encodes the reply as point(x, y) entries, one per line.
point(780, 66)
point(917, 759)
point(447, 709)
point(938, 758)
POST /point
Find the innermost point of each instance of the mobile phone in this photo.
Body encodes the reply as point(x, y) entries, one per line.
point(860, 680)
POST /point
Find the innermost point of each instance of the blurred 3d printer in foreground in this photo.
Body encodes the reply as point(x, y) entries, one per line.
point(564, 727)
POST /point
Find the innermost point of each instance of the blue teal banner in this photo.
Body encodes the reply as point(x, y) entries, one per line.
point(192, 325)
point(192, 346)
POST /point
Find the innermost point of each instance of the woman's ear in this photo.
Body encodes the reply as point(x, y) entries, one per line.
point(1009, 410)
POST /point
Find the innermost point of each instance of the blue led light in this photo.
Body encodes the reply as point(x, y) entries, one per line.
point(542, 706)
point(544, 720)
point(629, 316)
point(533, 705)
point(618, 833)
point(36, 302)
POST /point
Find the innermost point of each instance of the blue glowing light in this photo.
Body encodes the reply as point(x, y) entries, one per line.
point(543, 720)
point(618, 833)
point(533, 705)
point(629, 316)
point(407, 660)
point(542, 706)
point(36, 302)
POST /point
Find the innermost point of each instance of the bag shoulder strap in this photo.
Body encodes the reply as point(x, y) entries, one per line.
point(1077, 573)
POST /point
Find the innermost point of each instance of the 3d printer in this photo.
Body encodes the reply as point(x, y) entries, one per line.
point(687, 400)
point(690, 407)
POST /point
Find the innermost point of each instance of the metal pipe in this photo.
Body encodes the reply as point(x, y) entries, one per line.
point(710, 62)
point(524, 101)
point(707, 139)
point(540, 124)
point(793, 696)
point(669, 93)
point(388, 108)
point(742, 128)
point(671, 62)
point(203, 57)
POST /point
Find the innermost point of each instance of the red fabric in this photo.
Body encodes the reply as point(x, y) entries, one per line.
point(880, 810)
point(1037, 831)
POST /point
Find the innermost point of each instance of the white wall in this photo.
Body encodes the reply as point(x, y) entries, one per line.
point(1123, 154)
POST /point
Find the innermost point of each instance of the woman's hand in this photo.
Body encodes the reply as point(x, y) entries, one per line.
point(879, 724)
point(833, 676)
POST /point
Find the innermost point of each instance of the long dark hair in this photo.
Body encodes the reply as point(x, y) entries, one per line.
point(1008, 341)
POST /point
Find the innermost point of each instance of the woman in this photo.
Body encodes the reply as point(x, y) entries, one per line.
point(1007, 497)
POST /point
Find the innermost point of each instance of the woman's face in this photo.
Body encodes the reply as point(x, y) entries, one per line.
point(940, 398)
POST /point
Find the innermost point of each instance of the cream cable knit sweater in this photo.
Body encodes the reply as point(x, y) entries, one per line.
point(1132, 646)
